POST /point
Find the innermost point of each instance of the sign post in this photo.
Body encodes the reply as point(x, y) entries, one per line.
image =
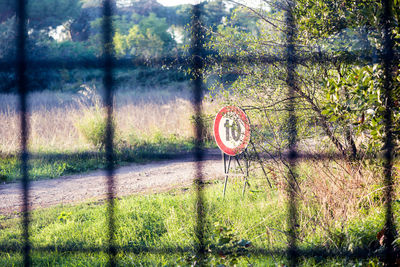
point(232, 135)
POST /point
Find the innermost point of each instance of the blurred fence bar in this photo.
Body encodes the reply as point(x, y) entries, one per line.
point(292, 187)
point(21, 68)
point(198, 57)
point(184, 60)
point(388, 64)
point(108, 103)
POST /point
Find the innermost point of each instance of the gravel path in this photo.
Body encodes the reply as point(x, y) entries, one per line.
point(135, 178)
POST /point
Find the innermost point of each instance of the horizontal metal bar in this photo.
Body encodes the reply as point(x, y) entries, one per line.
point(96, 63)
point(209, 154)
point(180, 60)
point(317, 251)
point(93, 154)
point(97, 249)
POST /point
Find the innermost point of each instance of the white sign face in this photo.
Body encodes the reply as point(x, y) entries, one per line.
point(232, 130)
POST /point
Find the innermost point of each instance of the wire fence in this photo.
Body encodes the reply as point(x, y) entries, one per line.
point(196, 60)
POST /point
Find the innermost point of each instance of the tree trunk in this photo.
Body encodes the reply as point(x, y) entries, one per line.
point(324, 123)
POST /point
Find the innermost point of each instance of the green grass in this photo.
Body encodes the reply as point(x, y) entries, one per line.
point(50, 164)
point(168, 220)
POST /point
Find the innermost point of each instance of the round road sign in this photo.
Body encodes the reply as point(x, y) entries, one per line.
point(232, 130)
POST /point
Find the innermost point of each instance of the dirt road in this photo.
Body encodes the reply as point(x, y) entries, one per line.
point(135, 178)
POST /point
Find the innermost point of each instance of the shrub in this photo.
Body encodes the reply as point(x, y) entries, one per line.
point(92, 126)
point(207, 121)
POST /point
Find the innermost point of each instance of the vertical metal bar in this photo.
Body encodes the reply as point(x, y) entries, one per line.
point(197, 54)
point(21, 67)
point(108, 103)
point(292, 133)
point(388, 64)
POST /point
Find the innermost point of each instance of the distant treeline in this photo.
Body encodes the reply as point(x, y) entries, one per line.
point(72, 30)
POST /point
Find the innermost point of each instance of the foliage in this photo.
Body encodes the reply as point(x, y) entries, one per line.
point(339, 94)
point(133, 149)
point(6, 9)
point(43, 167)
point(207, 122)
point(7, 35)
point(48, 13)
point(43, 14)
point(354, 92)
point(145, 130)
point(9, 168)
point(140, 29)
point(224, 248)
point(363, 104)
point(74, 50)
point(7, 51)
point(214, 12)
point(64, 216)
point(167, 220)
point(149, 38)
point(92, 126)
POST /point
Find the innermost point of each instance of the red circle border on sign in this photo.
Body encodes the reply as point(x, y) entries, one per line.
point(239, 149)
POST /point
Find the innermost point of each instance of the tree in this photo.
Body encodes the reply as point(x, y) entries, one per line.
point(154, 26)
point(7, 9)
point(50, 13)
point(7, 38)
point(150, 38)
point(43, 13)
point(353, 98)
point(214, 11)
point(342, 95)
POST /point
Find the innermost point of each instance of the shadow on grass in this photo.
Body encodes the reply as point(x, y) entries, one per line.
point(157, 230)
point(54, 164)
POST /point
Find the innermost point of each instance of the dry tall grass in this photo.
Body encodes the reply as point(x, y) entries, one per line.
point(53, 117)
point(332, 194)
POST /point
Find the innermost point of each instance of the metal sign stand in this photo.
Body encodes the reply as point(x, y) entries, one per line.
point(227, 165)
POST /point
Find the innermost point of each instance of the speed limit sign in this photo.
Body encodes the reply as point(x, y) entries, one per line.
point(232, 130)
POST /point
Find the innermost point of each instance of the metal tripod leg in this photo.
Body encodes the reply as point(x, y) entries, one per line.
point(226, 170)
point(227, 165)
point(246, 172)
point(226, 181)
point(246, 162)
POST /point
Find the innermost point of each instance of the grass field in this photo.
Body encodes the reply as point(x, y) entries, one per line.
point(340, 203)
point(149, 124)
point(234, 227)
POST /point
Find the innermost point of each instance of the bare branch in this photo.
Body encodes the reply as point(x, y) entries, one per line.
point(255, 12)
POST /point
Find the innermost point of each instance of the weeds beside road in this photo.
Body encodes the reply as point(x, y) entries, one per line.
point(154, 177)
point(66, 130)
point(234, 226)
point(340, 203)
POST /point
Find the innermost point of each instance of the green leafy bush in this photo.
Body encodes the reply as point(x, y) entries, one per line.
point(92, 126)
point(224, 248)
point(9, 168)
point(206, 121)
